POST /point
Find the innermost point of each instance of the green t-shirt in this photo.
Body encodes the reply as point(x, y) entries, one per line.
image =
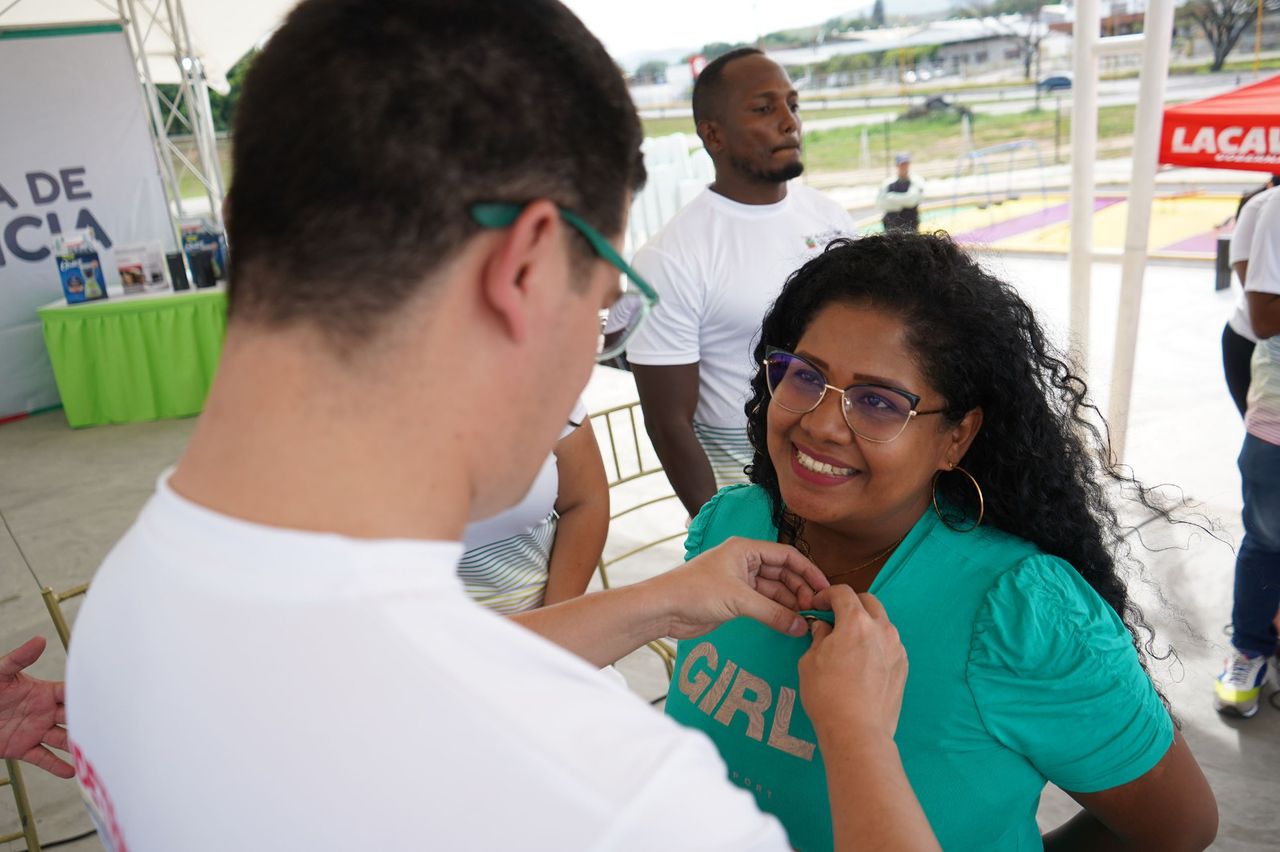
point(1019, 673)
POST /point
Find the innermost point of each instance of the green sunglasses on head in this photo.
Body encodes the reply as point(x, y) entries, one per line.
point(503, 214)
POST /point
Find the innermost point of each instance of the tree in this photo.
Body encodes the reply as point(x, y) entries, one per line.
point(717, 49)
point(1224, 21)
point(224, 106)
point(653, 71)
point(1029, 38)
point(877, 14)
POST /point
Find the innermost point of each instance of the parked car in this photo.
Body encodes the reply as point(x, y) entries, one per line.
point(1051, 84)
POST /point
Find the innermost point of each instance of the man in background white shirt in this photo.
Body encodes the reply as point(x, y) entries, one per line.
point(718, 265)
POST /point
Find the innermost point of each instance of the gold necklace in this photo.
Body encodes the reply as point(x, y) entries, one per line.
point(872, 561)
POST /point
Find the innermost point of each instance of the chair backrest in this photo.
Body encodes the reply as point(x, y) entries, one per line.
point(645, 513)
point(53, 601)
point(647, 522)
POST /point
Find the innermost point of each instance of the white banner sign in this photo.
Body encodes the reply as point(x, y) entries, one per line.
point(75, 152)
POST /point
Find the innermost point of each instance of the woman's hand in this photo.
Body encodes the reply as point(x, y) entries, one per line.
point(764, 580)
point(851, 680)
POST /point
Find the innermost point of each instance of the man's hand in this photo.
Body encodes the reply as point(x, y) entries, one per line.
point(851, 682)
point(31, 712)
point(763, 580)
point(851, 679)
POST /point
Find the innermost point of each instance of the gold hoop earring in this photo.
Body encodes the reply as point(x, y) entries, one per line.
point(982, 504)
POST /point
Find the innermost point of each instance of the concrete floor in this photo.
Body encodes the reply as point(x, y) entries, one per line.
point(66, 496)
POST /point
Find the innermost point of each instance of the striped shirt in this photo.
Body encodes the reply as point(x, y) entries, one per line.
point(728, 450)
point(1262, 418)
point(510, 575)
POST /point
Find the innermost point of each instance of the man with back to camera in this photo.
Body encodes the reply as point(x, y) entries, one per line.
point(900, 196)
point(718, 265)
point(286, 607)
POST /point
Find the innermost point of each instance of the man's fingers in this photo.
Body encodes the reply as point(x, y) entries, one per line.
point(872, 605)
point(797, 584)
point(841, 600)
point(820, 630)
point(56, 737)
point(774, 615)
point(44, 759)
point(770, 553)
point(776, 591)
point(21, 657)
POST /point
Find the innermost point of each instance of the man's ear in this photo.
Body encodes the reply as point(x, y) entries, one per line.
point(525, 254)
point(711, 135)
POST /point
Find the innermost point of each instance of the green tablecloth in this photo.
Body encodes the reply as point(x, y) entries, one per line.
point(122, 360)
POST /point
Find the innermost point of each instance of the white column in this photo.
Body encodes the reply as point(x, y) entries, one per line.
point(1084, 145)
point(1158, 32)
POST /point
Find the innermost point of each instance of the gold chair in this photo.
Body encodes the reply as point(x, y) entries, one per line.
point(637, 484)
point(26, 819)
point(53, 602)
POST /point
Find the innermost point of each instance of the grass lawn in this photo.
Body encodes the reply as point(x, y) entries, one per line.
point(939, 137)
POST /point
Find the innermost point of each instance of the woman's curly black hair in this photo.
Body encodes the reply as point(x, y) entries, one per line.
point(1041, 459)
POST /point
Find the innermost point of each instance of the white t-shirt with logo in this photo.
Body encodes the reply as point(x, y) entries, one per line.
point(237, 686)
point(717, 266)
point(1262, 416)
point(1241, 244)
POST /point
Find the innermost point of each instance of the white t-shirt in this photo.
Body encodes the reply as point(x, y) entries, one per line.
point(1241, 243)
point(236, 686)
point(1262, 416)
point(717, 266)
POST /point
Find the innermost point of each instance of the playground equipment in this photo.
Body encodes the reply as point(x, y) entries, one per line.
point(979, 161)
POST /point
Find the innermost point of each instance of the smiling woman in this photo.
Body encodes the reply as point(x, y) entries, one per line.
point(985, 531)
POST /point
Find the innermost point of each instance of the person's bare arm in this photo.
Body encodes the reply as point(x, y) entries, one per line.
point(582, 502)
point(1241, 268)
point(764, 580)
point(1264, 313)
point(851, 683)
point(1169, 809)
point(669, 397)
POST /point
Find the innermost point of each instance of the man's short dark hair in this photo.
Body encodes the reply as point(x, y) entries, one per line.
point(366, 130)
point(708, 89)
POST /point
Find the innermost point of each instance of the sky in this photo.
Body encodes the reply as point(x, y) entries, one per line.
point(628, 29)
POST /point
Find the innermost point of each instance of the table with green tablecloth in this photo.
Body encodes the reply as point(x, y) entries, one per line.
point(132, 358)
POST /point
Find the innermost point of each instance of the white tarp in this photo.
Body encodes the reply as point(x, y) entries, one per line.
point(222, 31)
point(75, 151)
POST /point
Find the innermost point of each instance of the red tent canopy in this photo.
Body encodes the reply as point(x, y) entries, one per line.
point(1237, 130)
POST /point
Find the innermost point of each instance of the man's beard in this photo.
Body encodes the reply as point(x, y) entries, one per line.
point(778, 175)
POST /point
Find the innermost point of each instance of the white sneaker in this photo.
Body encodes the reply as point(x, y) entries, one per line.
point(1237, 688)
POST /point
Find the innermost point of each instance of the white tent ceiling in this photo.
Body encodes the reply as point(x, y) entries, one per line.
point(221, 31)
